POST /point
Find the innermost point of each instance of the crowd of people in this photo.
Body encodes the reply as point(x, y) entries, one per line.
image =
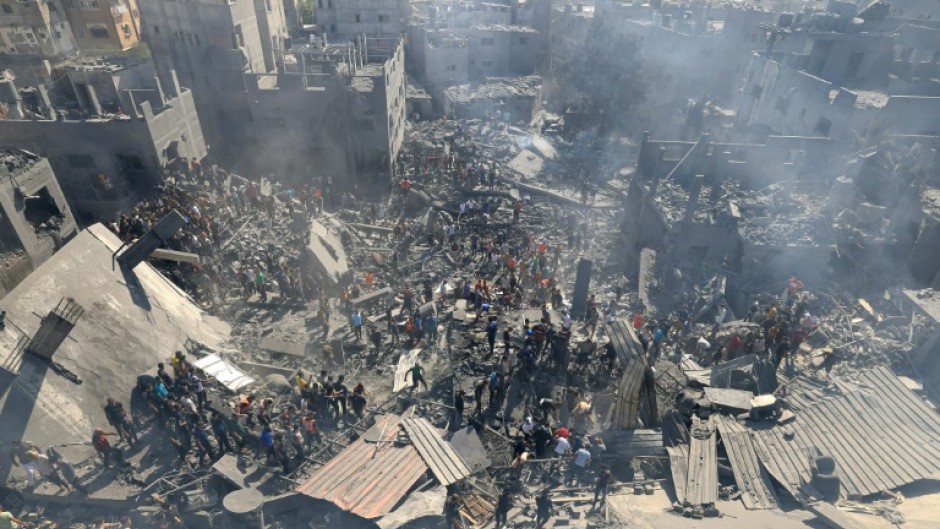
point(279, 431)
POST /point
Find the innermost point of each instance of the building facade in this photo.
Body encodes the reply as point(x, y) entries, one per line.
point(35, 29)
point(104, 25)
point(374, 18)
point(122, 127)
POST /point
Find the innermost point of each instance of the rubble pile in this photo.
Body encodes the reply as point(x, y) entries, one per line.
point(464, 348)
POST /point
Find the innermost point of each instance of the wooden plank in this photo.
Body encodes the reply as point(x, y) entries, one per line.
point(702, 483)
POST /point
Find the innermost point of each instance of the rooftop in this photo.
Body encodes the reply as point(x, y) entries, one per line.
point(505, 28)
point(495, 88)
point(131, 321)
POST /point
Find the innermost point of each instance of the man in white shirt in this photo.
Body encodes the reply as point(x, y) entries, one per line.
point(562, 447)
point(582, 458)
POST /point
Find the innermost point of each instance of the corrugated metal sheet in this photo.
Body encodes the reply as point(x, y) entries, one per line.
point(679, 467)
point(368, 479)
point(224, 372)
point(752, 479)
point(702, 485)
point(881, 435)
point(626, 408)
point(633, 443)
point(437, 454)
point(625, 342)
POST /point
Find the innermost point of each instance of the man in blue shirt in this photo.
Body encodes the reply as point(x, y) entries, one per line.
point(491, 329)
point(267, 443)
point(356, 320)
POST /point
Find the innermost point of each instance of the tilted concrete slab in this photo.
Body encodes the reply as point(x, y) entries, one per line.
point(132, 321)
point(325, 249)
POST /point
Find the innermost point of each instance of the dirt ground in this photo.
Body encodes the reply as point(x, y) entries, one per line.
point(919, 508)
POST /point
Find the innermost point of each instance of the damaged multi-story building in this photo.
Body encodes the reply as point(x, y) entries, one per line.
point(35, 219)
point(844, 73)
point(35, 35)
point(349, 18)
point(792, 205)
point(688, 51)
point(467, 43)
point(321, 110)
point(109, 128)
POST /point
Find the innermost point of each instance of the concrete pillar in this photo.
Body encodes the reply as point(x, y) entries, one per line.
point(694, 194)
point(925, 255)
point(177, 90)
point(129, 104)
point(365, 49)
point(160, 94)
point(48, 108)
point(147, 110)
point(93, 98)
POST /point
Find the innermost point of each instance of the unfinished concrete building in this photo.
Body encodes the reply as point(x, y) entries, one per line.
point(375, 18)
point(338, 111)
point(108, 128)
point(706, 203)
point(844, 74)
point(212, 45)
point(468, 43)
point(36, 219)
point(689, 51)
point(319, 110)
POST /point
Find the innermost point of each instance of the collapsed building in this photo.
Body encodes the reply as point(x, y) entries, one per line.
point(465, 43)
point(108, 128)
point(323, 109)
point(846, 73)
point(36, 218)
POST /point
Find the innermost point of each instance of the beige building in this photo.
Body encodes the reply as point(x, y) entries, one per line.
point(104, 24)
point(35, 28)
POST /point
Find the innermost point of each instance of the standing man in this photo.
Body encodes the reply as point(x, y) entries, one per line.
point(458, 407)
point(543, 506)
point(417, 376)
point(198, 388)
point(601, 486)
point(99, 440)
point(582, 458)
point(117, 417)
point(503, 505)
point(491, 329)
point(356, 321)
